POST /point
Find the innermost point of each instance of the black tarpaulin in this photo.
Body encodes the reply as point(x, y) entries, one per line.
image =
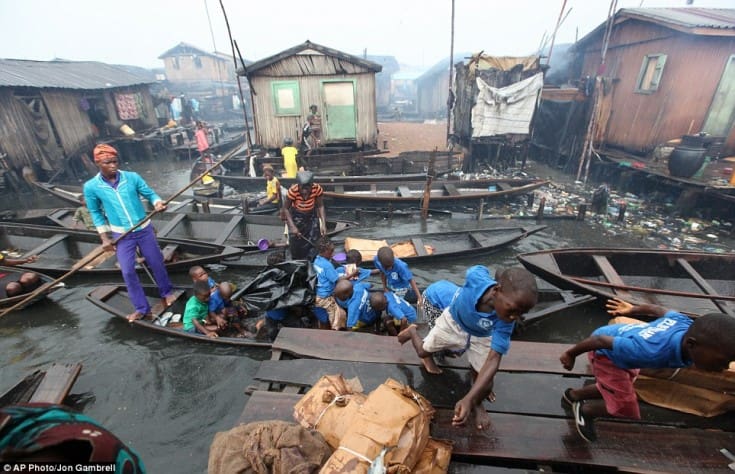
point(283, 285)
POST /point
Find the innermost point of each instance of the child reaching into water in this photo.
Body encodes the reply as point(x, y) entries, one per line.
point(396, 276)
point(480, 321)
point(617, 352)
point(352, 264)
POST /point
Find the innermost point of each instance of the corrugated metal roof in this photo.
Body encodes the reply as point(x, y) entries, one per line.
point(720, 18)
point(306, 46)
point(69, 74)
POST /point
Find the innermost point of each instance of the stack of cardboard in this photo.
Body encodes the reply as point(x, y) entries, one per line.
point(391, 425)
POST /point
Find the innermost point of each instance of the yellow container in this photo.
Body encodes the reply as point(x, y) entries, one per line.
point(127, 131)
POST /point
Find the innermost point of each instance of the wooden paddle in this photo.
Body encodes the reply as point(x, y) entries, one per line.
point(100, 250)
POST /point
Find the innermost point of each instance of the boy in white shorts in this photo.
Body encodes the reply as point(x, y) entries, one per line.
point(480, 321)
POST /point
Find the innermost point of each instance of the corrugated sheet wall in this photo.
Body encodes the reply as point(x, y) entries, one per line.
point(72, 123)
point(19, 137)
point(271, 129)
point(694, 66)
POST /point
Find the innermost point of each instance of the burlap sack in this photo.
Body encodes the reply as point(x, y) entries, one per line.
point(330, 407)
point(435, 458)
point(393, 416)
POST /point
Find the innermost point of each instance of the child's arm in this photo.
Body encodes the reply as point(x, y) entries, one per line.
point(592, 343)
point(481, 388)
point(218, 319)
point(415, 287)
point(200, 327)
point(618, 307)
point(385, 282)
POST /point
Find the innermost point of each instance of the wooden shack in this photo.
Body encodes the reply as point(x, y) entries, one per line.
point(667, 72)
point(52, 112)
point(342, 86)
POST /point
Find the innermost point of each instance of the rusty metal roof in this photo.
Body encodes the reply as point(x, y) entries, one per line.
point(88, 75)
point(718, 18)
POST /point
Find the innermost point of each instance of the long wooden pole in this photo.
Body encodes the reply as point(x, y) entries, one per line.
point(100, 250)
point(450, 101)
point(657, 291)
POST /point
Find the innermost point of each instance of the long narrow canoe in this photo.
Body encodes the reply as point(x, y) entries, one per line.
point(71, 195)
point(442, 193)
point(114, 300)
point(59, 249)
point(250, 184)
point(444, 245)
point(11, 274)
point(235, 230)
point(693, 282)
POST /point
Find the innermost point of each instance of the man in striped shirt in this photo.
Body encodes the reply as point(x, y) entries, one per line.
point(305, 215)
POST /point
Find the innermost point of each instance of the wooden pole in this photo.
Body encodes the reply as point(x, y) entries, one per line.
point(450, 102)
point(657, 291)
point(427, 187)
point(100, 250)
point(556, 29)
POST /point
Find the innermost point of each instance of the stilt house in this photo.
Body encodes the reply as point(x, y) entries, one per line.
point(342, 86)
point(51, 112)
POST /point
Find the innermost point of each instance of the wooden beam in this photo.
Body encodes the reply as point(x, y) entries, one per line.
point(704, 285)
point(604, 265)
point(419, 246)
point(47, 244)
point(404, 191)
point(170, 225)
point(228, 229)
point(56, 384)
point(451, 189)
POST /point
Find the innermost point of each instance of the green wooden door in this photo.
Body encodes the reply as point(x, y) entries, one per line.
point(722, 111)
point(339, 102)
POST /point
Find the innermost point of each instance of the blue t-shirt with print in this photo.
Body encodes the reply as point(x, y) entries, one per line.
point(654, 345)
point(216, 303)
point(358, 307)
point(465, 313)
point(441, 293)
point(362, 273)
point(397, 277)
point(326, 276)
point(398, 308)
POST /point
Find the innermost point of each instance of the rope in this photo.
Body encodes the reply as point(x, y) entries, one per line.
point(356, 454)
point(336, 399)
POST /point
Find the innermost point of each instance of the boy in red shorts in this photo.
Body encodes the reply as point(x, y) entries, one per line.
point(617, 352)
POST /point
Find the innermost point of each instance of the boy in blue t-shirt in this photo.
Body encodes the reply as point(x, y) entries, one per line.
point(363, 307)
point(354, 257)
point(436, 298)
point(396, 276)
point(399, 313)
point(326, 309)
point(479, 321)
point(617, 352)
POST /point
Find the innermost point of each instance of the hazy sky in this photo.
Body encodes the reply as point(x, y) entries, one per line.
point(416, 32)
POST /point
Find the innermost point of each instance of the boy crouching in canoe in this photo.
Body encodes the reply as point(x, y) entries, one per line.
point(197, 311)
point(617, 352)
point(480, 321)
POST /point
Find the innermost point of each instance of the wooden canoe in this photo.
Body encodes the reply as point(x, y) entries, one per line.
point(114, 300)
point(441, 245)
point(71, 195)
point(248, 184)
point(235, 230)
point(367, 163)
point(679, 280)
point(43, 386)
point(442, 193)
point(59, 249)
point(10, 274)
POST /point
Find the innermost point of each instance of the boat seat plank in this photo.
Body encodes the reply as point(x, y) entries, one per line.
point(404, 191)
point(180, 206)
point(704, 285)
point(170, 225)
point(419, 246)
point(451, 189)
point(103, 292)
point(158, 309)
point(228, 229)
point(47, 244)
point(364, 347)
point(476, 238)
point(56, 383)
point(622, 447)
point(338, 188)
point(603, 264)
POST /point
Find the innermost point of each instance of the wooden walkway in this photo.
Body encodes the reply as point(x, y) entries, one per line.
point(531, 428)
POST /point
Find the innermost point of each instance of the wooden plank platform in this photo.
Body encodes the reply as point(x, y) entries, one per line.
point(362, 347)
point(622, 447)
point(56, 383)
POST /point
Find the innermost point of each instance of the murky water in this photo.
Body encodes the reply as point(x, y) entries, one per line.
point(167, 397)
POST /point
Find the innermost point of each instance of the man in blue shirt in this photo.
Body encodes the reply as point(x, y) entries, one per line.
point(480, 321)
point(113, 199)
point(618, 351)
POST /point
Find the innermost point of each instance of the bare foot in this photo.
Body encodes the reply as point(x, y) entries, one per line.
point(407, 334)
point(135, 316)
point(480, 418)
point(169, 300)
point(430, 365)
point(491, 397)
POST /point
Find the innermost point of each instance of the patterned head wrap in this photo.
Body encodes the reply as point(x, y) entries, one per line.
point(104, 152)
point(33, 427)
